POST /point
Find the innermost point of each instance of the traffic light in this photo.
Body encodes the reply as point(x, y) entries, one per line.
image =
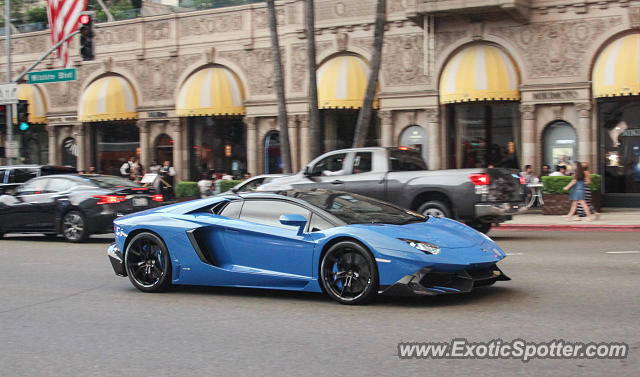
point(86, 36)
point(23, 114)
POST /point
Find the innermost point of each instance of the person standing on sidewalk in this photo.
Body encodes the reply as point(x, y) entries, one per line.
point(577, 193)
point(167, 172)
point(587, 193)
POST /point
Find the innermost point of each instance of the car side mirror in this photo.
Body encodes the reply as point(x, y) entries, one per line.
point(308, 172)
point(294, 220)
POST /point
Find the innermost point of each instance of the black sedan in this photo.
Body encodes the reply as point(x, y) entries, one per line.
point(75, 206)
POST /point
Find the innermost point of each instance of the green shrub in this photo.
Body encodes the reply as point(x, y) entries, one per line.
point(554, 185)
point(186, 189)
point(227, 185)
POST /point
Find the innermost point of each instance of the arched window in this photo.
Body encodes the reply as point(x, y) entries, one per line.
point(272, 158)
point(69, 152)
point(416, 137)
point(559, 144)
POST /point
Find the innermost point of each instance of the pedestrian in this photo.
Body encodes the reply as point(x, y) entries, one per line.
point(560, 171)
point(125, 169)
point(546, 170)
point(205, 185)
point(577, 185)
point(155, 167)
point(167, 172)
point(92, 170)
point(527, 174)
point(587, 194)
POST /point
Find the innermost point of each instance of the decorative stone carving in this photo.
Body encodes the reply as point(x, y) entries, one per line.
point(210, 55)
point(143, 126)
point(634, 17)
point(250, 122)
point(432, 114)
point(364, 43)
point(556, 48)
point(210, 24)
point(528, 111)
point(155, 31)
point(446, 38)
point(262, 22)
point(583, 109)
point(116, 35)
point(303, 119)
point(334, 9)
point(28, 45)
point(258, 65)
point(397, 5)
point(342, 41)
point(386, 117)
point(403, 60)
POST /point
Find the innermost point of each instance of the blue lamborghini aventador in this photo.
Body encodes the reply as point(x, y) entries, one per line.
point(350, 246)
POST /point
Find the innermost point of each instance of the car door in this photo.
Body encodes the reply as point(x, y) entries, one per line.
point(55, 197)
point(267, 252)
point(329, 172)
point(19, 212)
point(367, 176)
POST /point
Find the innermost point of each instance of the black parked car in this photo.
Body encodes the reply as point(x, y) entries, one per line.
point(15, 175)
point(75, 206)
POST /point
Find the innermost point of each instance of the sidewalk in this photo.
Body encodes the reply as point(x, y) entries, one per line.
point(611, 219)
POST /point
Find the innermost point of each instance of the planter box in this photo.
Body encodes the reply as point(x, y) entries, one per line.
point(559, 204)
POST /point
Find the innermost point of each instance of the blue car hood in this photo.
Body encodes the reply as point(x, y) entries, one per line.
point(442, 232)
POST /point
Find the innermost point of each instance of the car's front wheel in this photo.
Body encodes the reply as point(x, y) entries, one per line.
point(74, 227)
point(480, 226)
point(147, 262)
point(348, 273)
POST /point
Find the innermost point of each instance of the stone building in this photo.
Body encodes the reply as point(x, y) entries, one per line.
point(470, 84)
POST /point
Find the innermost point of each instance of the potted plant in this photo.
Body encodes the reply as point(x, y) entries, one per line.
point(556, 200)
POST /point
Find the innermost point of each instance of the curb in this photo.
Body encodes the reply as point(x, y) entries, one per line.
point(569, 227)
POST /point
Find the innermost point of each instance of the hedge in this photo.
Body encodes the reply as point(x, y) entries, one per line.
point(227, 185)
point(554, 185)
point(187, 188)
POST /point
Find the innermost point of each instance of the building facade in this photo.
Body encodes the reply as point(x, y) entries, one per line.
point(470, 84)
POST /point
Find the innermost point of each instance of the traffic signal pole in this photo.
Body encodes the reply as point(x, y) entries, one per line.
point(7, 33)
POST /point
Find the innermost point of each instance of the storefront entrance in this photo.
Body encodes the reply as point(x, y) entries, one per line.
point(112, 144)
point(69, 152)
point(217, 144)
point(272, 157)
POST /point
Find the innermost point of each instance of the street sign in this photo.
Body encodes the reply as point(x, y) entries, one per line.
point(12, 149)
point(52, 75)
point(8, 94)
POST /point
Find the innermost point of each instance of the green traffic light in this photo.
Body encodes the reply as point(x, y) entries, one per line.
point(24, 126)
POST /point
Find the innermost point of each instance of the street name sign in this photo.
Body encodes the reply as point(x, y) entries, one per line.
point(12, 149)
point(8, 94)
point(52, 75)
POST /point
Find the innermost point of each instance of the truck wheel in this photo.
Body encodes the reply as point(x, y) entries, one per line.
point(480, 227)
point(435, 208)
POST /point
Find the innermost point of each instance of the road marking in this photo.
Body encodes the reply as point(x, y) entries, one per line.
point(624, 252)
point(515, 253)
point(383, 260)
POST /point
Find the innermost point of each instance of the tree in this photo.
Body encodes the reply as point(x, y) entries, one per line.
point(314, 113)
point(364, 116)
point(278, 78)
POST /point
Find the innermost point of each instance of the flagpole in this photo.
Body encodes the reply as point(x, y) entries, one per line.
point(7, 33)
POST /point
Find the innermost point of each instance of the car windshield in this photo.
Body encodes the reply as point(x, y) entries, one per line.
point(357, 209)
point(110, 182)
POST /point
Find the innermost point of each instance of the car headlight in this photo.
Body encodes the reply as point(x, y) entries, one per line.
point(427, 247)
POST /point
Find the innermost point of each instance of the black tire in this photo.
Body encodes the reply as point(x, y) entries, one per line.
point(435, 208)
point(147, 263)
point(480, 226)
point(349, 274)
point(74, 227)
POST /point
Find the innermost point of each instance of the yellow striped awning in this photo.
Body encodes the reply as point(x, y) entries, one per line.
point(108, 98)
point(342, 83)
point(211, 91)
point(37, 105)
point(479, 73)
point(617, 69)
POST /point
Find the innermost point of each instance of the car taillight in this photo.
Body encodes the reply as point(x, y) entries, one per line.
point(110, 199)
point(157, 198)
point(522, 180)
point(479, 178)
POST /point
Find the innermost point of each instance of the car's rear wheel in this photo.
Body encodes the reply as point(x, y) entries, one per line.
point(147, 262)
point(435, 208)
point(74, 227)
point(348, 273)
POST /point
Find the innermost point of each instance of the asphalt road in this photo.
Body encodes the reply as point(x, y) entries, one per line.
point(64, 313)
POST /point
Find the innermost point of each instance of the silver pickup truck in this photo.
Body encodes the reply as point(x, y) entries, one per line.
point(479, 197)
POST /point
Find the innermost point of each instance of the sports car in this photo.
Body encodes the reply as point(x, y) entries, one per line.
point(349, 246)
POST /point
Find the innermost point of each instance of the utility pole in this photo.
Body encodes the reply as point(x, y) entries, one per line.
point(7, 32)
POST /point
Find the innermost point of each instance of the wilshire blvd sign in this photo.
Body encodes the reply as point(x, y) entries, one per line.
point(53, 75)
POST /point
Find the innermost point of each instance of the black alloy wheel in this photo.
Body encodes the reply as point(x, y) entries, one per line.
point(74, 227)
point(348, 273)
point(147, 263)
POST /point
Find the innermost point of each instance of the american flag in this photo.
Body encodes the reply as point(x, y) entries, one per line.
point(63, 20)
